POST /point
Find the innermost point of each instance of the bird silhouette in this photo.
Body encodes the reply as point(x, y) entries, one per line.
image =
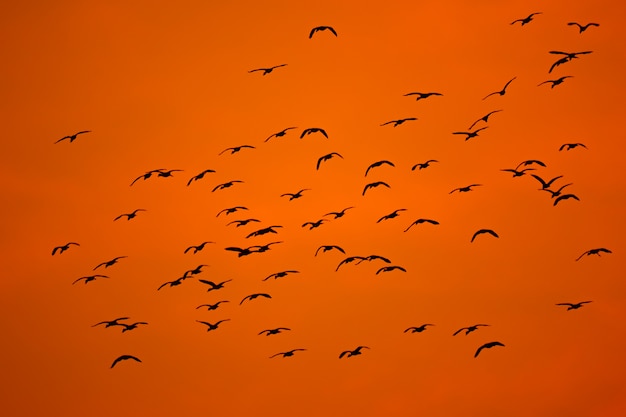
point(377, 164)
point(147, 175)
point(312, 130)
point(129, 215)
point(226, 185)
point(348, 260)
point(241, 251)
point(418, 329)
point(371, 258)
point(565, 197)
point(174, 283)
point(165, 173)
point(423, 165)
point(197, 270)
point(199, 176)
point(487, 346)
point(374, 185)
point(89, 278)
point(350, 353)
point(338, 214)
point(322, 28)
point(570, 146)
point(420, 96)
point(269, 332)
point(197, 248)
point(398, 122)
point(214, 285)
point(213, 306)
point(483, 231)
point(268, 70)
point(565, 58)
point(281, 274)
point(264, 231)
point(236, 149)
point(501, 92)
point(516, 172)
point(63, 248)
point(472, 134)
point(420, 221)
point(124, 358)
point(573, 306)
point(326, 248)
point(253, 296)
point(293, 196)
point(391, 215)
point(73, 137)
point(390, 268)
point(545, 184)
point(465, 189)
point(313, 225)
point(530, 162)
point(485, 118)
point(243, 222)
point(526, 19)
point(596, 251)
point(555, 193)
point(109, 263)
point(212, 326)
point(582, 28)
point(326, 158)
point(279, 134)
point(264, 248)
point(469, 329)
point(132, 326)
point(231, 210)
point(110, 323)
point(287, 353)
point(555, 82)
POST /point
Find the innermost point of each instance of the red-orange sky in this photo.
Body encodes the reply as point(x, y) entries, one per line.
point(166, 85)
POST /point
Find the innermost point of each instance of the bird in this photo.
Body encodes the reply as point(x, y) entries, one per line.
point(596, 251)
point(226, 185)
point(311, 130)
point(243, 222)
point(236, 149)
point(373, 258)
point(326, 158)
point(123, 358)
point(350, 353)
point(391, 215)
point(501, 92)
point(268, 70)
point(423, 165)
point(213, 306)
point(555, 82)
point(326, 248)
point(269, 332)
point(349, 260)
point(264, 248)
point(582, 28)
point(109, 263)
point(530, 162)
point(199, 176)
point(167, 172)
point(570, 146)
point(418, 329)
point(281, 274)
point(89, 278)
point(131, 326)
point(109, 323)
point(197, 248)
point(63, 248)
point(566, 57)
point(73, 137)
point(398, 122)
point(471, 134)
point(253, 296)
point(263, 231)
point(420, 221)
point(197, 270)
point(573, 306)
point(377, 164)
point(390, 268)
point(422, 95)
point(129, 215)
point(214, 285)
point(465, 189)
point(565, 197)
point(322, 28)
point(147, 175)
point(212, 326)
point(293, 196)
point(526, 20)
point(487, 346)
point(279, 134)
point(287, 353)
point(374, 185)
point(485, 118)
point(338, 214)
point(469, 329)
point(231, 210)
point(174, 283)
point(555, 193)
point(545, 184)
point(516, 172)
point(483, 231)
point(313, 225)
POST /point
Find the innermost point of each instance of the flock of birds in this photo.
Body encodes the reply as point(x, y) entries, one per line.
point(523, 168)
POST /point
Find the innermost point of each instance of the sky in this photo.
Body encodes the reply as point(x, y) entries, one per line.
point(170, 86)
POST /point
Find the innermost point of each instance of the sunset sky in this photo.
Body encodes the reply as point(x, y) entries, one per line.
point(167, 85)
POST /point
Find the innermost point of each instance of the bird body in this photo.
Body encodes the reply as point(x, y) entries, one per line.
point(293, 196)
point(264, 231)
point(582, 28)
point(423, 165)
point(472, 134)
point(281, 274)
point(287, 353)
point(214, 286)
point(390, 268)
point(269, 332)
point(556, 82)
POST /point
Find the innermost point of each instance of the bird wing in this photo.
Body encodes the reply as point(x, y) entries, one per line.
point(332, 30)
point(459, 331)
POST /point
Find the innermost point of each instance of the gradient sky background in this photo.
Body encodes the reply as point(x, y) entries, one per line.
point(166, 85)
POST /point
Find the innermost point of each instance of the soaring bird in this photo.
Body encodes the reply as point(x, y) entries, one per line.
point(243, 222)
point(174, 283)
point(582, 28)
point(236, 149)
point(287, 353)
point(573, 306)
point(483, 231)
point(129, 215)
point(281, 274)
point(530, 162)
point(322, 28)
point(279, 134)
point(545, 184)
point(501, 92)
point(422, 95)
point(374, 185)
point(570, 146)
point(72, 138)
point(293, 196)
point(350, 353)
point(390, 268)
point(423, 165)
point(132, 326)
point(465, 189)
point(231, 210)
point(214, 285)
point(326, 248)
point(418, 329)
point(109, 263)
point(63, 248)
point(596, 251)
point(565, 57)
point(373, 258)
point(197, 270)
point(526, 20)
point(377, 164)
point(338, 214)
point(199, 176)
point(391, 215)
point(264, 248)
point(226, 185)
point(165, 173)
point(268, 70)
point(485, 118)
point(555, 82)
point(349, 260)
point(109, 323)
point(197, 248)
point(313, 225)
point(565, 197)
point(487, 346)
point(420, 221)
point(147, 175)
point(472, 134)
point(326, 158)
point(269, 332)
point(212, 326)
point(398, 122)
point(241, 251)
point(123, 358)
point(469, 329)
point(311, 130)
point(213, 306)
point(89, 278)
point(253, 296)
point(516, 172)
point(556, 193)
point(264, 231)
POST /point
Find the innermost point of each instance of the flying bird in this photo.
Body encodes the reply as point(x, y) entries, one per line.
point(73, 137)
point(570, 146)
point(197, 270)
point(422, 95)
point(527, 19)
point(483, 231)
point(423, 165)
point(236, 149)
point(391, 215)
point(555, 82)
point(420, 221)
point(573, 306)
point(322, 28)
point(596, 251)
point(269, 332)
point(377, 164)
point(287, 354)
point(349, 260)
point(266, 247)
point(226, 185)
point(485, 118)
point(530, 162)
point(231, 210)
point(197, 248)
point(418, 329)
point(109, 263)
point(243, 222)
point(350, 353)
point(338, 214)
point(63, 248)
point(390, 268)
point(268, 70)
point(131, 326)
point(109, 323)
point(326, 158)
point(146, 175)
point(503, 91)
point(326, 248)
point(263, 231)
point(373, 258)
point(241, 251)
point(465, 189)
point(487, 346)
point(399, 121)
point(279, 134)
point(565, 197)
point(89, 278)
point(566, 57)
point(311, 130)
point(293, 196)
point(313, 225)
point(556, 193)
point(281, 274)
point(174, 283)
point(374, 185)
point(199, 176)
point(213, 306)
point(214, 285)
point(469, 329)
point(545, 184)
point(516, 172)
point(123, 358)
point(582, 28)
point(253, 296)
point(212, 326)
point(167, 172)
point(129, 215)
point(472, 134)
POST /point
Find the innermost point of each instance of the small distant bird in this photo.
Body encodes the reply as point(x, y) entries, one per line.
point(377, 164)
point(63, 248)
point(72, 138)
point(212, 326)
point(213, 306)
point(236, 149)
point(241, 251)
point(373, 258)
point(293, 196)
point(423, 165)
point(269, 332)
point(422, 95)
point(418, 329)
point(350, 353)
point(399, 121)
point(268, 70)
point(109, 263)
point(526, 20)
point(501, 92)
point(530, 162)
point(279, 134)
point(391, 215)
point(266, 247)
point(545, 184)
point(326, 248)
point(123, 358)
point(338, 214)
point(566, 57)
point(556, 193)
point(146, 175)
point(313, 225)
point(197, 248)
point(487, 346)
point(555, 82)
point(239, 223)
point(570, 146)
point(89, 278)
point(281, 274)
point(226, 185)
point(465, 189)
point(322, 28)
point(326, 158)
point(485, 118)
point(517, 173)
point(374, 185)
point(565, 197)
point(199, 176)
point(390, 268)
point(109, 323)
point(264, 231)
point(420, 221)
point(214, 285)
point(483, 231)
point(129, 215)
point(132, 326)
point(197, 270)
point(472, 134)
point(469, 329)
point(287, 354)
point(253, 296)
point(167, 172)
point(582, 28)
point(596, 251)
point(311, 130)
point(231, 210)
point(174, 283)
point(348, 260)
point(573, 306)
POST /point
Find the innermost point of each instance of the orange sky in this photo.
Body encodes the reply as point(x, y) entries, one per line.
point(166, 85)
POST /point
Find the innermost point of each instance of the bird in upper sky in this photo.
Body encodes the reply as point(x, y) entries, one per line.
point(313, 225)
point(214, 285)
point(472, 134)
point(391, 215)
point(326, 158)
point(165, 173)
point(501, 92)
point(350, 353)
point(528, 162)
point(570, 146)
point(293, 196)
point(243, 222)
point(326, 248)
point(109, 323)
point(596, 251)
point(253, 296)
point(526, 19)
point(555, 82)
point(197, 248)
point(73, 137)
point(483, 231)
point(226, 185)
point(322, 28)
point(390, 268)
point(565, 197)
point(109, 263)
point(312, 130)
point(373, 258)
point(420, 221)
point(281, 274)
point(485, 118)
point(573, 306)
point(555, 193)
point(131, 326)
point(279, 134)
point(63, 248)
point(241, 251)
point(212, 326)
point(374, 185)
point(264, 231)
point(236, 149)
point(465, 189)
point(287, 353)
point(423, 165)
point(147, 175)
point(377, 164)
point(174, 283)
point(582, 28)
point(487, 346)
point(264, 248)
point(89, 278)
point(199, 176)
point(422, 95)
point(516, 172)
point(213, 306)
point(197, 270)
point(398, 122)
point(123, 358)
point(231, 210)
point(268, 70)
point(269, 332)
point(338, 214)
point(545, 184)
point(566, 57)
point(349, 260)
point(129, 215)
point(418, 329)
point(469, 329)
